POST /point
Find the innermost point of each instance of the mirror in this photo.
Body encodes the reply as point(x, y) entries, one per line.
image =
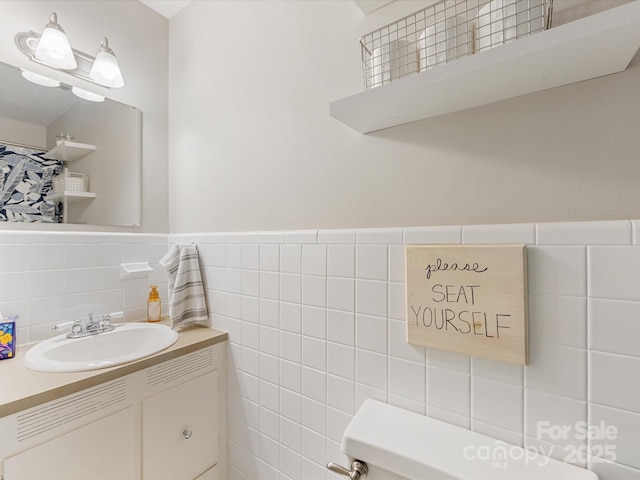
point(64, 158)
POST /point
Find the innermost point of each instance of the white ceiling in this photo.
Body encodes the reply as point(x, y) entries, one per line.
point(166, 8)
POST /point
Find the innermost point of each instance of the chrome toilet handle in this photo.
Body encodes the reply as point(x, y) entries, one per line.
point(359, 470)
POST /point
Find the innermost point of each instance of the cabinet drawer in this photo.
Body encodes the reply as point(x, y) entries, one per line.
point(105, 449)
point(180, 430)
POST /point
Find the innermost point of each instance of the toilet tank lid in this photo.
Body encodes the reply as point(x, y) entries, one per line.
point(415, 446)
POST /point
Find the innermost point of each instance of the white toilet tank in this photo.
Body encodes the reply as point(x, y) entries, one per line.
point(397, 444)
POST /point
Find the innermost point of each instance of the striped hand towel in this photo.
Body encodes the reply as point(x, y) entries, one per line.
point(186, 293)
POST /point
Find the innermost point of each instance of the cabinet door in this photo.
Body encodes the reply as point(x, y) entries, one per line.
point(180, 430)
point(103, 450)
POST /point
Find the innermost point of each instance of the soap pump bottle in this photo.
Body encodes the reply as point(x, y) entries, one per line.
point(154, 306)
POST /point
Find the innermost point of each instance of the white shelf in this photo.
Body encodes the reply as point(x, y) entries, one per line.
point(70, 196)
point(588, 48)
point(69, 151)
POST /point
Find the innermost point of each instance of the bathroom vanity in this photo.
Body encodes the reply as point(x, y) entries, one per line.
point(162, 417)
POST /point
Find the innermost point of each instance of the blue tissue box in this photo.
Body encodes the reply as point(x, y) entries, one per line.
point(7, 340)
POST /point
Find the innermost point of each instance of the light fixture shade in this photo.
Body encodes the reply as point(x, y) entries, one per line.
point(105, 69)
point(39, 79)
point(87, 95)
point(53, 47)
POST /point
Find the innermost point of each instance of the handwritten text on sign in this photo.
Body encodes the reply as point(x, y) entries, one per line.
point(469, 299)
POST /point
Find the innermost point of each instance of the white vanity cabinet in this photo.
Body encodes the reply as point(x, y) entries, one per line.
point(165, 422)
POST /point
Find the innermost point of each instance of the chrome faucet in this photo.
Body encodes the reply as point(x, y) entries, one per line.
point(98, 326)
point(93, 327)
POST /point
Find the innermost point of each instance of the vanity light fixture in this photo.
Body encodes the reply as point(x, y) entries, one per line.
point(105, 69)
point(53, 48)
point(102, 70)
point(39, 79)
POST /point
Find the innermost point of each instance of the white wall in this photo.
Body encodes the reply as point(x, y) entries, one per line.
point(253, 147)
point(22, 132)
point(139, 37)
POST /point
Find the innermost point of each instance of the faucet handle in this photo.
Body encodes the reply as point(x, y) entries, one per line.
point(77, 327)
point(60, 326)
point(107, 317)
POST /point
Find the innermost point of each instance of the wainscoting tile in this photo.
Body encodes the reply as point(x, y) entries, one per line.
point(371, 369)
point(554, 419)
point(397, 263)
point(341, 360)
point(407, 380)
point(398, 346)
point(371, 262)
point(447, 390)
point(341, 327)
point(270, 237)
point(499, 371)
point(432, 235)
point(584, 233)
point(301, 236)
point(341, 261)
point(557, 370)
point(614, 326)
point(613, 381)
point(290, 258)
point(341, 294)
point(269, 313)
point(623, 441)
point(251, 257)
point(558, 320)
point(314, 259)
point(497, 404)
point(371, 297)
point(371, 333)
point(613, 272)
point(347, 236)
point(515, 233)
point(270, 258)
point(557, 270)
point(384, 236)
point(341, 394)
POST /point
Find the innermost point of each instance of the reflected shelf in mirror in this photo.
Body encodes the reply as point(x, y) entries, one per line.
point(68, 151)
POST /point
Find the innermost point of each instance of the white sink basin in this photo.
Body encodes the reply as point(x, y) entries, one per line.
point(128, 342)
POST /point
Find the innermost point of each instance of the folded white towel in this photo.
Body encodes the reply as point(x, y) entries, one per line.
point(187, 302)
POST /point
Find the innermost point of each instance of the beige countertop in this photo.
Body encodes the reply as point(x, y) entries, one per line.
point(21, 388)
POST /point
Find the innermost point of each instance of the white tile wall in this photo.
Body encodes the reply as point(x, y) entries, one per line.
point(51, 277)
point(341, 311)
point(316, 325)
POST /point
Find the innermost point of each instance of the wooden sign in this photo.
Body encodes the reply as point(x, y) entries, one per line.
point(470, 299)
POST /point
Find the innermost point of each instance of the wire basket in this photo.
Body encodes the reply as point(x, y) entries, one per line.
point(70, 182)
point(445, 32)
